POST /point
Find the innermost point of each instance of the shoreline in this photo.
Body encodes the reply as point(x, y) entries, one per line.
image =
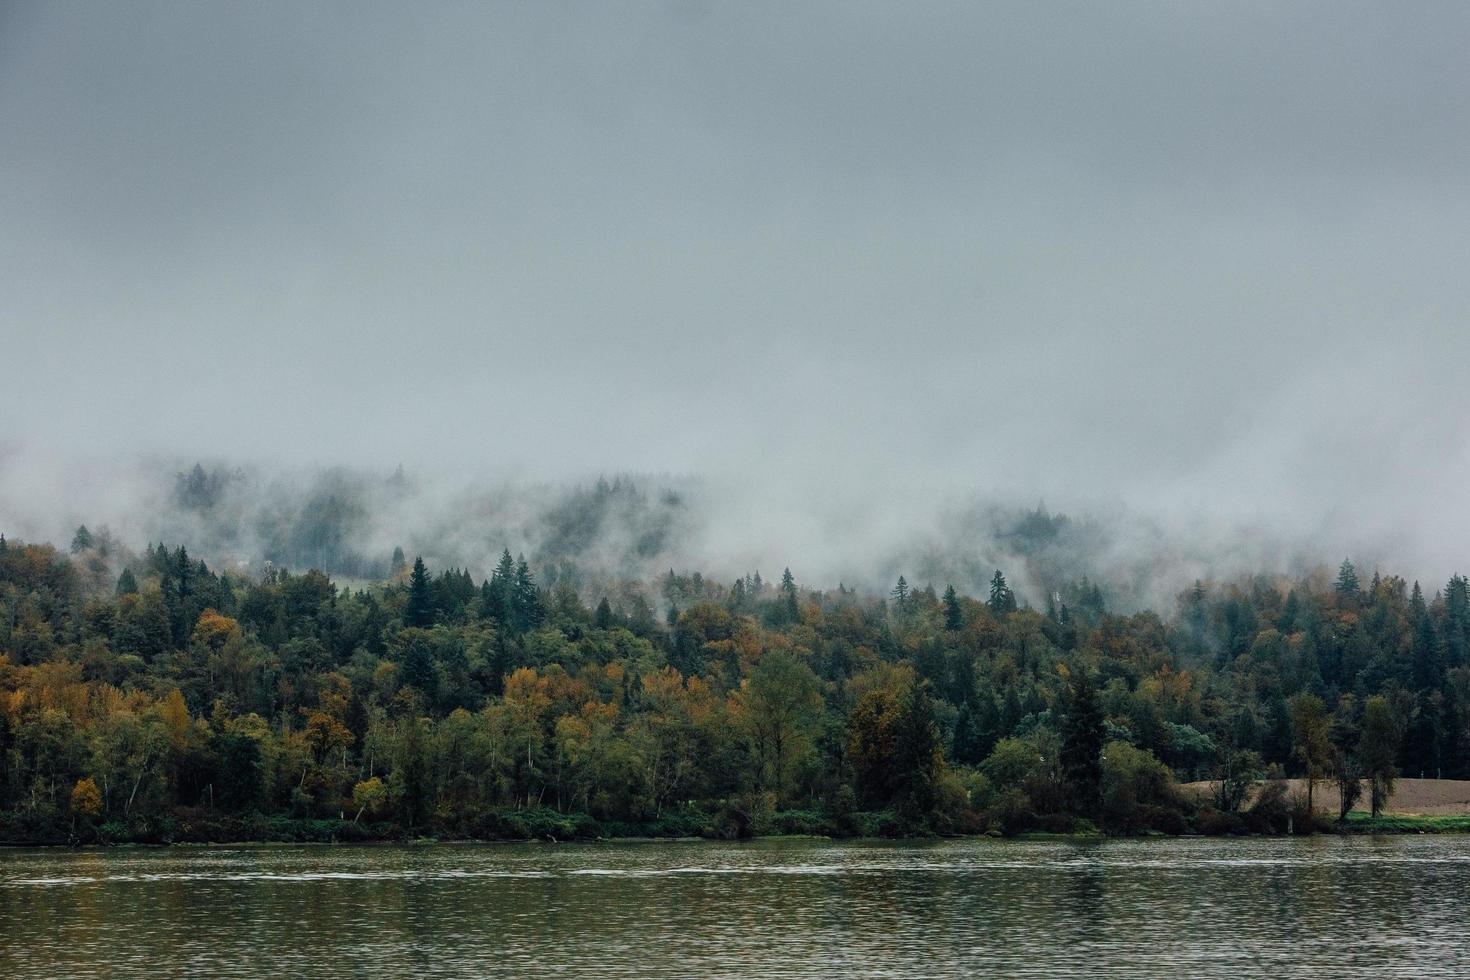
point(1358, 825)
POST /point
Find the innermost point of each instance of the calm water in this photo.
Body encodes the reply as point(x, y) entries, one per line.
point(1396, 906)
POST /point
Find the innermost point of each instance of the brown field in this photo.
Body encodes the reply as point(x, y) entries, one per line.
point(1422, 797)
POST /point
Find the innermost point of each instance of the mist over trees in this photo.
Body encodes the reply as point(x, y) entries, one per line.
point(359, 524)
point(152, 695)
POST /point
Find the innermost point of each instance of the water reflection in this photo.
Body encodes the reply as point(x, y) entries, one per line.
point(764, 909)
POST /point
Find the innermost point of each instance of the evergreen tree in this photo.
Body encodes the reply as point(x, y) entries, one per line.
point(127, 584)
point(790, 611)
point(1286, 623)
point(900, 595)
point(526, 599)
point(1347, 580)
point(1083, 734)
point(603, 618)
point(917, 754)
point(954, 617)
point(966, 748)
point(1429, 660)
point(82, 540)
point(419, 670)
point(1378, 750)
point(1002, 600)
point(419, 610)
point(496, 597)
point(397, 564)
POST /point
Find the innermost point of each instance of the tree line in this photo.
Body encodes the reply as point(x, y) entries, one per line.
point(150, 697)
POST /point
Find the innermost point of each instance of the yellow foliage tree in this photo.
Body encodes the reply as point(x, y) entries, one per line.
point(175, 715)
point(86, 798)
point(213, 631)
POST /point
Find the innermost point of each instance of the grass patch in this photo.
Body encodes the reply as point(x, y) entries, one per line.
point(1362, 823)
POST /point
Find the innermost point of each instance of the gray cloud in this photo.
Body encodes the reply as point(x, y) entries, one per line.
point(858, 261)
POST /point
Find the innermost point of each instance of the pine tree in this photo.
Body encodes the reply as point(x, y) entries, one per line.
point(917, 754)
point(966, 747)
point(525, 598)
point(790, 611)
point(419, 669)
point(496, 595)
point(419, 610)
point(1429, 659)
point(603, 618)
point(397, 564)
point(1290, 611)
point(900, 595)
point(127, 584)
point(1378, 750)
point(954, 617)
point(1082, 743)
point(82, 540)
point(1347, 580)
point(1002, 600)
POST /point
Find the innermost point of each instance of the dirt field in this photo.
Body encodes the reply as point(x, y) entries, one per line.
point(1426, 797)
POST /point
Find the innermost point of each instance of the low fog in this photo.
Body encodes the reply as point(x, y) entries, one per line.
point(849, 288)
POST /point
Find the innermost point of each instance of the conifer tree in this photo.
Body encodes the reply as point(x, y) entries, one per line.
point(1082, 743)
point(917, 756)
point(900, 595)
point(954, 617)
point(419, 610)
point(966, 747)
point(1002, 600)
point(1378, 750)
point(790, 611)
point(127, 584)
point(525, 598)
point(1347, 580)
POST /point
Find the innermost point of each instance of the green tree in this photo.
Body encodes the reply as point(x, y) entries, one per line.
point(127, 584)
point(1002, 600)
point(418, 668)
point(954, 617)
point(369, 796)
point(777, 705)
point(967, 745)
point(526, 598)
point(1347, 580)
point(1083, 734)
point(81, 540)
point(1311, 745)
point(790, 611)
point(419, 610)
point(918, 759)
point(900, 595)
point(1378, 750)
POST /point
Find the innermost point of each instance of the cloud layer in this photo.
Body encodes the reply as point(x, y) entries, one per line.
point(850, 268)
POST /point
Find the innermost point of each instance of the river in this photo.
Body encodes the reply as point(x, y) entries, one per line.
point(1325, 906)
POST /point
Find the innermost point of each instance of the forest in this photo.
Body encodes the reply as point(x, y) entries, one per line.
point(149, 697)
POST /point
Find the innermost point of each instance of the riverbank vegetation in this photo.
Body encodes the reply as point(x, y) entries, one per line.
point(149, 697)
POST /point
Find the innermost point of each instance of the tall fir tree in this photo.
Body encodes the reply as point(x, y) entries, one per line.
point(1083, 733)
point(1347, 580)
point(1002, 600)
point(954, 617)
point(790, 611)
point(419, 610)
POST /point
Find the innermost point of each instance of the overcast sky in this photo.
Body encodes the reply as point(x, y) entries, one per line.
point(1182, 255)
